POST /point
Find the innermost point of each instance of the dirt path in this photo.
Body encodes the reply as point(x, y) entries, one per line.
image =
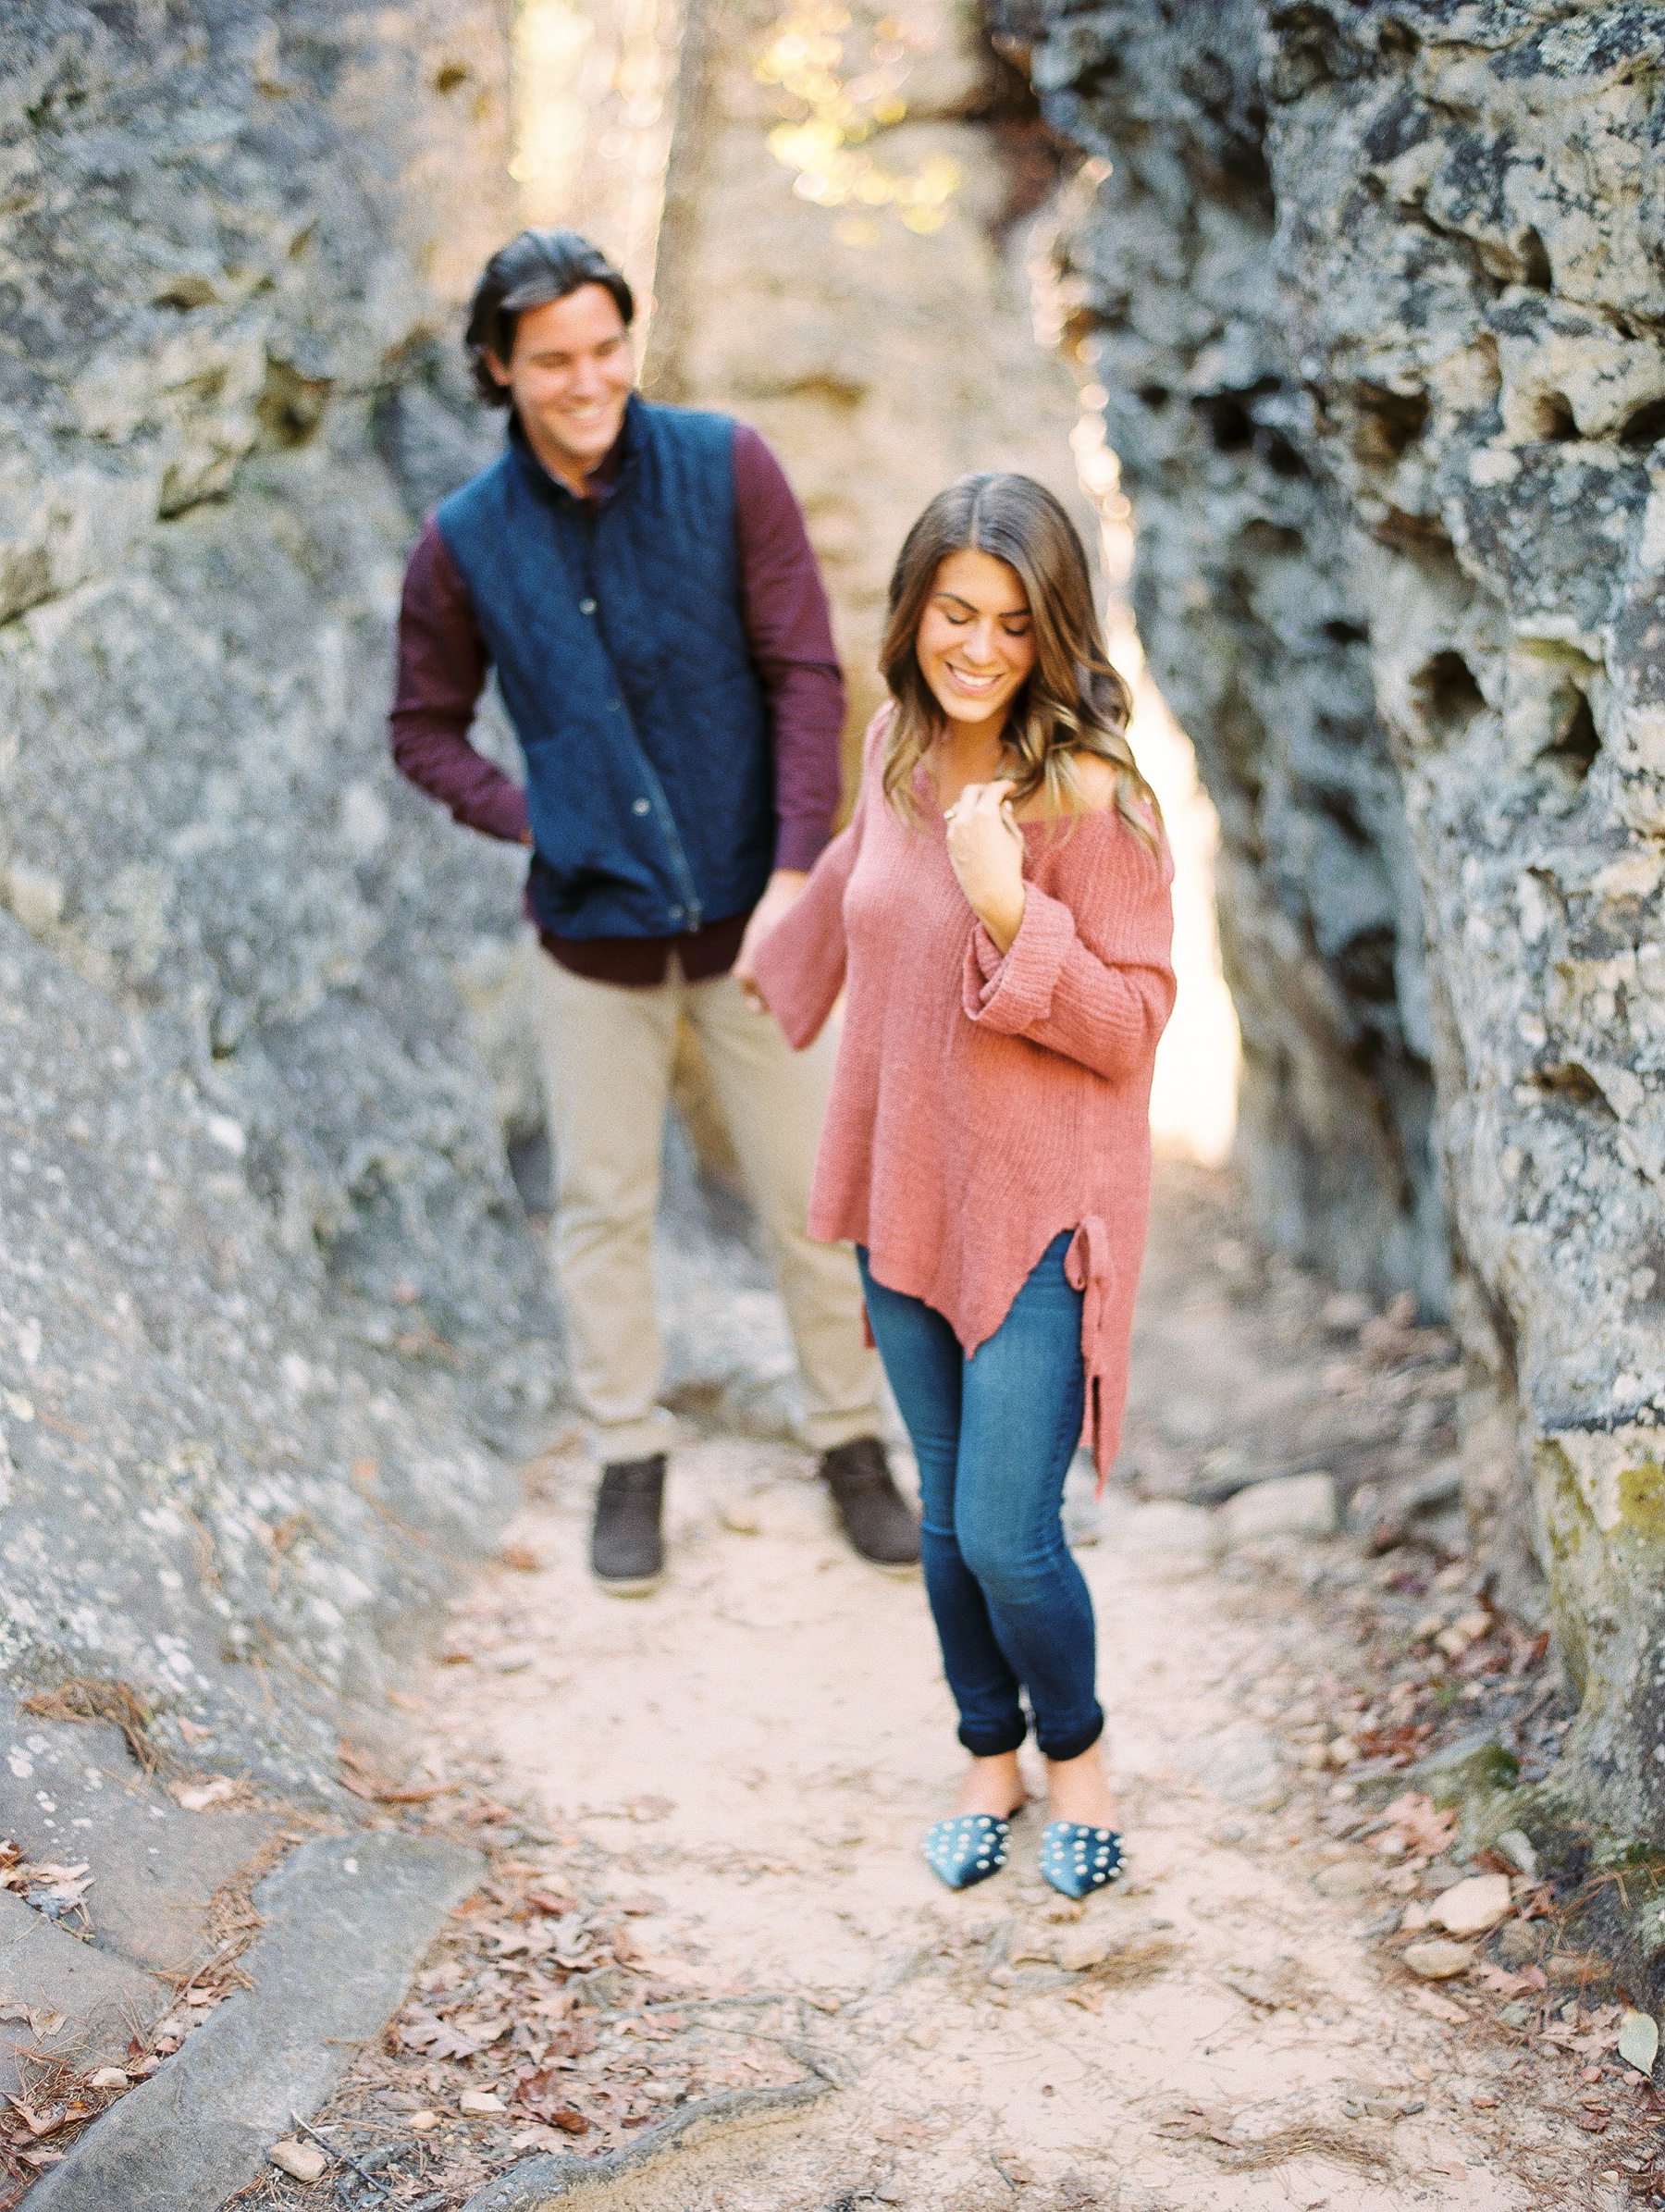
point(732, 1778)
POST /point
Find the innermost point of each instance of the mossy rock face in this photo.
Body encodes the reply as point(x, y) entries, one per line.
point(1609, 1891)
point(1476, 1778)
point(1474, 1766)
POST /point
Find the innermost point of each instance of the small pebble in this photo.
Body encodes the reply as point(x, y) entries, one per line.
point(481, 2101)
point(1350, 1878)
point(1084, 1947)
point(1468, 1907)
point(302, 2161)
point(1435, 1960)
point(423, 2123)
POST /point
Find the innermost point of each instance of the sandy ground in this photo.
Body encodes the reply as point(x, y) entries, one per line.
point(750, 1756)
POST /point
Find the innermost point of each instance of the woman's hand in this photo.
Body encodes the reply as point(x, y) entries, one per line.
point(985, 850)
point(780, 896)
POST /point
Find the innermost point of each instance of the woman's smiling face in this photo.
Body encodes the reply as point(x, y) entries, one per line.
point(976, 641)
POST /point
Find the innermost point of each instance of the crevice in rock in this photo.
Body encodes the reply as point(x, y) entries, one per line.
point(1553, 420)
point(1536, 270)
point(1570, 1081)
point(1389, 423)
point(1228, 416)
point(291, 406)
point(1644, 429)
point(1579, 743)
point(1447, 694)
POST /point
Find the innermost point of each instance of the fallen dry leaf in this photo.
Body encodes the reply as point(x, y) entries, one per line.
point(522, 1558)
point(1639, 2040)
point(1439, 2008)
point(1511, 1985)
point(648, 1808)
point(423, 2032)
point(1423, 1828)
point(907, 2134)
point(1261, 1990)
point(49, 2122)
point(1200, 2123)
point(529, 1942)
point(556, 1901)
point(70, 1884)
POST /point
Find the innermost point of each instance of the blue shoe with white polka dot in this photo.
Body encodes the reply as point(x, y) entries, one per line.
point(1077, 1859)
point(967, 1848)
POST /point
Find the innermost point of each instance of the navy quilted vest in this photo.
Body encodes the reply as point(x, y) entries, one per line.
point(623, 661)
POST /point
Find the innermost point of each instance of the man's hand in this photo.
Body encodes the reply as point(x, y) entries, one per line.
point(780, 892)
point(985, 850)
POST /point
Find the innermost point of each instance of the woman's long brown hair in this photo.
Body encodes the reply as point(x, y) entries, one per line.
point(1073, 700)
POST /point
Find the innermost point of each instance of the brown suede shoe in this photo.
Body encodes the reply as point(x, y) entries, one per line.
point(627, 1555)
point(880, 1527)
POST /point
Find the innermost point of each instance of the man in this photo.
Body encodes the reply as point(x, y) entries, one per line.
point(640, 578)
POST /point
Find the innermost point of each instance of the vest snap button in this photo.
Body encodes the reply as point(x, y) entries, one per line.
point(639, 806)
point(587, 606)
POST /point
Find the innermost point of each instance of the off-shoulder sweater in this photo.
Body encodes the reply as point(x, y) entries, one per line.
point(982, 1103)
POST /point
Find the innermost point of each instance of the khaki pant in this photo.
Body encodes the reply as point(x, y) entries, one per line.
point(607, 1051)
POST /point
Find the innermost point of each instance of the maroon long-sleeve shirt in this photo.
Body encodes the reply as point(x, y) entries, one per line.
point(443, 665)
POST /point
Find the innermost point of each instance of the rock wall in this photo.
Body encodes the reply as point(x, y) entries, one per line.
point(844, 264)
point(1378, 294)
point(266, 1274)
point(1254, 625)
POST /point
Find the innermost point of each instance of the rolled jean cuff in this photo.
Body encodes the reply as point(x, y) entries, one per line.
point(614, 1443)
point(826, 1432)
point(1072, 1746)
point(993, 1743)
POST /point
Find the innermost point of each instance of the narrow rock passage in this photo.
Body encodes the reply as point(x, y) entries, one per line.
point(745, 1762)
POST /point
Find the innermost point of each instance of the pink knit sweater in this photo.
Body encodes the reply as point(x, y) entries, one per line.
point(981, 1105)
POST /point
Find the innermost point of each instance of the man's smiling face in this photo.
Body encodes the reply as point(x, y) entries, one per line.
point(569, 376)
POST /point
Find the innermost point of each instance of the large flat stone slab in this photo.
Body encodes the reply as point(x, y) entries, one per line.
point(103, 2000)
point(70, 1791)
point(663, 2158)
point(347, 1920)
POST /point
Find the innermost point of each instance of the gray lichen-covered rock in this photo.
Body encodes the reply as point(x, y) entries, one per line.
point(264, 1278)
point(1254, 623)
point(234, 242)
point(208, 1490)
point(1377, 296)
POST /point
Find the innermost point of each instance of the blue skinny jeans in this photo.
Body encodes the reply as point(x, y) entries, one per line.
point(993, 1436)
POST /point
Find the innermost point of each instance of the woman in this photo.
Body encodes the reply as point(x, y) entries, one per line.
point(997, 914)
